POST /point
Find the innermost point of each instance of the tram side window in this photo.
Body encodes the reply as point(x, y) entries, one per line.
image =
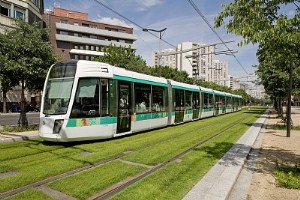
point(196, 100)
point(179, 99)
point(158, 103)
point(86, 101)
point(142, 98)
point(188, 99)
point(105, 98)
point(206, 101)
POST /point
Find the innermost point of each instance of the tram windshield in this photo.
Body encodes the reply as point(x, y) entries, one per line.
point(58, 88)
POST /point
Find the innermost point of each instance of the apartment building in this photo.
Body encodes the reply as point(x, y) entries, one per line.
point(219, 72)
point(74, 36)
point(29, 10)
point(234, 83)
point(197, 60)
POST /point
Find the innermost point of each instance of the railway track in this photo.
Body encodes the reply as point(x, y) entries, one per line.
point(120, 186)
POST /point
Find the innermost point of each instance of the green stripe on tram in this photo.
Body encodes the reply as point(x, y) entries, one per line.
point(207, 109)
point(147, 116)
point(125, 78)
point(91, 121)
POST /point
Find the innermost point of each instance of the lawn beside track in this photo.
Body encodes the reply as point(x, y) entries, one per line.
point(38, 160)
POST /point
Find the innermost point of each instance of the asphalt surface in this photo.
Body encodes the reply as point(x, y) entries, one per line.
point(11, 119)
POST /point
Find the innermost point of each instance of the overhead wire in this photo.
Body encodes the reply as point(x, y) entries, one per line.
point(215, 32)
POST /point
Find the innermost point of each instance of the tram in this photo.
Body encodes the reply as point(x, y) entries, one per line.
point(87, 100)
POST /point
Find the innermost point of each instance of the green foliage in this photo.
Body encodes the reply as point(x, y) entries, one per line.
point(25, 55)
point(30, 54)
point(123, 57)
point(288, 176)
point(277, 33)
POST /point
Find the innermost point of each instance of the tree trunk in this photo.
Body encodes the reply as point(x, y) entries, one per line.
point(23, 118)
point(4, 101)
point(289, 105)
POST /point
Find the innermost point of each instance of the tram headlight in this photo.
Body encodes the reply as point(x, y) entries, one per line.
point(57, 125)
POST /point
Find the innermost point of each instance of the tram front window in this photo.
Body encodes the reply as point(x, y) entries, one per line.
point(58, 88)
point(58, 92)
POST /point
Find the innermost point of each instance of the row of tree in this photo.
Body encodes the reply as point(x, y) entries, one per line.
point(26, 55)
point(274, 26)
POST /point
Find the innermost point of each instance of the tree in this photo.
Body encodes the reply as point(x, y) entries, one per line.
point(265, 23)
point(28, 59)
point(123, 57)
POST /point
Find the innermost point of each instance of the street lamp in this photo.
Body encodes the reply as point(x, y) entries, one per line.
point(160, 35)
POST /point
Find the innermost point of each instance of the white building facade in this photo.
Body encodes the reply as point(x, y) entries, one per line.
point(29, 10)
point(197, 60)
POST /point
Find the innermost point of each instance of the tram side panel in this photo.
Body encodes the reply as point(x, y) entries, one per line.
point(207, 104)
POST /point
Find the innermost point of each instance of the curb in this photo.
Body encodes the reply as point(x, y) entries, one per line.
point(220, 179)
point(18, 138)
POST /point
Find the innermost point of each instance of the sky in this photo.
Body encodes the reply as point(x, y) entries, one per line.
point(181, 20)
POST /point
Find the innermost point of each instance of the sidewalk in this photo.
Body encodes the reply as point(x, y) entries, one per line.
point(234, 176)
point(219, 181)
point(17, 136)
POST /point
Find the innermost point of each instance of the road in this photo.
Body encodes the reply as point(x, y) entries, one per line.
point(296, 109)
point(7, 119)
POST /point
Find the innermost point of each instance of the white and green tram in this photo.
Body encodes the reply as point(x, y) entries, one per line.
point(86, 100)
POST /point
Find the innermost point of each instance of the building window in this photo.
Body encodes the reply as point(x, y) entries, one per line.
point(85, 25)
point(93, 26)
point(37, 3)
point(93, 36)
point(76, 24)
point(19, 14)
point(76, 57)
point(92, 48)
point(76, 35)
point(63, 21)
point(63, 33)
point(5, 11)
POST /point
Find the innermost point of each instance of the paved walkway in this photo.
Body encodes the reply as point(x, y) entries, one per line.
point(219, 181)
point(17, 136)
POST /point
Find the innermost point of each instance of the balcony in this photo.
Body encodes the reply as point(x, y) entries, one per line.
point(94, 31)
point(6, 21)
point(90, 41)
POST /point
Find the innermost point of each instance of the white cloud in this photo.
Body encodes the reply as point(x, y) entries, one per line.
point(114, 21)
point(145, 4)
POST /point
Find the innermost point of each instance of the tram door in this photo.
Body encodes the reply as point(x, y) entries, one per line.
point(124, 121)
point(196, 105)
point(179, 105)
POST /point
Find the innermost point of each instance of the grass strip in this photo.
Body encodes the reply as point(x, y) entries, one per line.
point(177, 178)
point(164, 151)
point(88, 183)
point(37, 160)
point(30, 195)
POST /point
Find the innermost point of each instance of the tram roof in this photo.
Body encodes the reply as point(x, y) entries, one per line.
point(99, 69)
point(185, 86)
point(207, 90)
